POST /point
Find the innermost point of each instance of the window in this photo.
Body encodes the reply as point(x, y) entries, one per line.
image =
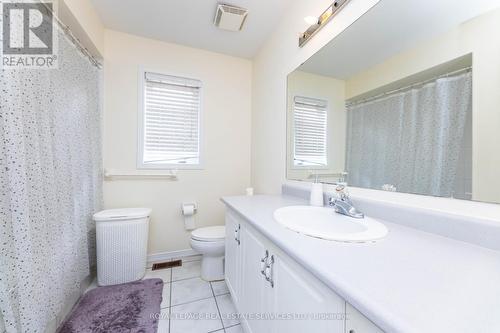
point(169, 136)
point(310, 126)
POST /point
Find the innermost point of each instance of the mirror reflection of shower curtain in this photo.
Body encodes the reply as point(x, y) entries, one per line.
point(412, 139)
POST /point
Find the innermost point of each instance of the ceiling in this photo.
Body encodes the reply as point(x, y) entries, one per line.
point(190, 22)
point(391, 27)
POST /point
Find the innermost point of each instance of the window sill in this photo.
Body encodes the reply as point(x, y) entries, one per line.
point(169, 167)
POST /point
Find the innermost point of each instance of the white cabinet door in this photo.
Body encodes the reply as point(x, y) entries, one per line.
point(309, 305)
point(232, 266)
point(254, 299)
point(357, 323)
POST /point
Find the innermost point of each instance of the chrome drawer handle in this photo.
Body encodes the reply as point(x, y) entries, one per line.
point(271, 273)
point(237, 234)
point(263, 262)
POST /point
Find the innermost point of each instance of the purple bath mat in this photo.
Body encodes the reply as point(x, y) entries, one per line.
point(125, 308)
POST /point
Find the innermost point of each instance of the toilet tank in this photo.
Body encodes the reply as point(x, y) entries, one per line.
point(121, 244)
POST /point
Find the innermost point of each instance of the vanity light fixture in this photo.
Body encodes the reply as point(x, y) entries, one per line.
point(317, 23)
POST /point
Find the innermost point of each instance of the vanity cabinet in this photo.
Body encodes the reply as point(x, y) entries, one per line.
point(273, 292)
point(277, 295)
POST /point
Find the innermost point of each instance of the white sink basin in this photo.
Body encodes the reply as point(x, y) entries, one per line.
point(325, 223)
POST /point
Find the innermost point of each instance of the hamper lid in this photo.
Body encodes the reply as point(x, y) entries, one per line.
point(122, 214)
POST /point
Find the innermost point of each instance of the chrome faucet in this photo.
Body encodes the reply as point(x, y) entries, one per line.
point(342, 203)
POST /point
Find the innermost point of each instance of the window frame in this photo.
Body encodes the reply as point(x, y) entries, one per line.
point(140, 124)
point(327, 134)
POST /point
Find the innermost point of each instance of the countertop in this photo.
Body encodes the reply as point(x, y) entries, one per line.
point(411, 281)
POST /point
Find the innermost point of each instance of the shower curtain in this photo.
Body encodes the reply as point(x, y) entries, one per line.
point(50, 180)
point(411, 139)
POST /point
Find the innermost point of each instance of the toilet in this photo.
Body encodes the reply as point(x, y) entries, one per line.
point(209, 242)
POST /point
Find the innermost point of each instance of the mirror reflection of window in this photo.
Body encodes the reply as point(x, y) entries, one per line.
point(310, 132)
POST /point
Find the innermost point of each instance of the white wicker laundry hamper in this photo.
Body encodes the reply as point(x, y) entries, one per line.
point(121, 244)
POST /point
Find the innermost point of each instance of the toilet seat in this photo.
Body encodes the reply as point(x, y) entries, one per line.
point(209, 234)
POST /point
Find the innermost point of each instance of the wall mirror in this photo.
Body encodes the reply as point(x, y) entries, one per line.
point(406, 99)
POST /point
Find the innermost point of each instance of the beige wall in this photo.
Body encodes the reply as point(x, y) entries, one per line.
point(333, 91)
point(279, 56)
point(225, 134)
point(479, 37)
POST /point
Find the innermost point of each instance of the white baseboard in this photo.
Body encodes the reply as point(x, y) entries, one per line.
point(166, 256)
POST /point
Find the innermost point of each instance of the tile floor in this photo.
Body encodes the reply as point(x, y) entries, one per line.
point(191, 305)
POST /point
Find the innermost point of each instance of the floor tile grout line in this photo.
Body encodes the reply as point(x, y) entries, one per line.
point(170, 302)
point(171, 279)
point(186, 278)
point(239, 323)
point(217, 331)
point(194, 277)
point(232, 325)
point(196, 300)
point(170, 294)
point(189, 278)
point(217, 305)
point(222, 294)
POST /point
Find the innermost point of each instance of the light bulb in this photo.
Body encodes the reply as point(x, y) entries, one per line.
point(311, 20)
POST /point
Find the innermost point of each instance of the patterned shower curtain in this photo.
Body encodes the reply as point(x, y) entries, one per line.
point(411, 140)
point(51, 184)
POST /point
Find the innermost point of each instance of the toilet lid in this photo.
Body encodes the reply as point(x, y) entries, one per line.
point(209, 234)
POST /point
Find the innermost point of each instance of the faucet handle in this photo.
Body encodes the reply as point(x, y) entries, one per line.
point(340, 187)
point(343, 193)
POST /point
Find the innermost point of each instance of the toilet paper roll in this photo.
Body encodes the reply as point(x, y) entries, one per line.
point(187, 210)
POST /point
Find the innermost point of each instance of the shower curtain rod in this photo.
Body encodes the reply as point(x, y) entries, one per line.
point(73, 39)
point(414, 85)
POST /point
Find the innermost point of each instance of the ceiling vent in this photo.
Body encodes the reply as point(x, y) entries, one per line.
point(230, 17)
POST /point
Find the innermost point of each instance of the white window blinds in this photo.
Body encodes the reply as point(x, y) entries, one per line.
point(171, 121)
point(310, 132)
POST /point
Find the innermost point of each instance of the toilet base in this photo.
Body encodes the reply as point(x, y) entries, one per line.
point(212, 260)
point(212, 268)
